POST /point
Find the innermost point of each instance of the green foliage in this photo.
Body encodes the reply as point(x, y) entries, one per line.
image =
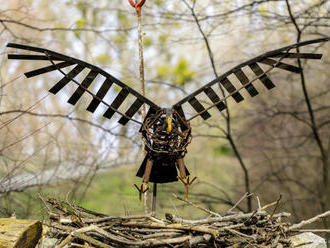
point(119, 39)
point(222, 150)
point(82, 6)
point(123, 20)
point(163, 71)
point(182, 72)
point(162, 38)
point(80, 23)
point(103, 58)
point(159, 2)
point(147, 42)
point(116, 88)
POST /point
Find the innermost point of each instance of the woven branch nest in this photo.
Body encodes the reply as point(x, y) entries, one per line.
point(74, 226)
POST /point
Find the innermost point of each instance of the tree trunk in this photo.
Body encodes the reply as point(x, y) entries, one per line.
point(19, 233)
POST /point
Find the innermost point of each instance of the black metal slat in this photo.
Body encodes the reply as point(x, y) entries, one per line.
point(48, 69)
point(100, 95)
point(32, 57)
point(199, 108)
point(264, 78)
point(120, 98)
point(66, 79)
point(131, 111)
point(85, 64)
point(215, 98)
point(82, 87)
point(281, 65)
point(298, 55)
point(245, 82)
point(179, 110)
point(231, 88)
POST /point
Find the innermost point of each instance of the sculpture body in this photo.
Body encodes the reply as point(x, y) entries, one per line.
point(166, 132)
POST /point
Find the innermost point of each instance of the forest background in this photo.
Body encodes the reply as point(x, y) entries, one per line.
point(277, 143)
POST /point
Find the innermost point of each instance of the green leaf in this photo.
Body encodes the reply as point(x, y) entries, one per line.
point(119, 39)
point(82, 6)
point(159, 2)
point(80, 23)
point(147, 42)
point(103, 58)
point(222, 150)
point(182, 72)
point(124, 21)
point(77, 33)
point(163, 71)
point(162, 38)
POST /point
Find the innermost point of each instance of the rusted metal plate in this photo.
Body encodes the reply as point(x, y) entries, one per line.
point(199, 108)
point(65, 80)
point(83, 87)
point(48, 69)
point(99, 95)
point(120, 98)
point(298, 55)
point(281, 65)
point(214, 98)
point(262, 77)
point(245, 82)
point(231, 88)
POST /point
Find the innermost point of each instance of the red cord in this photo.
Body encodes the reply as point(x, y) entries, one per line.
point(137, 5)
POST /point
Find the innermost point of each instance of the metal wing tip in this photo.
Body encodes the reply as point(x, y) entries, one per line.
point(10, 44)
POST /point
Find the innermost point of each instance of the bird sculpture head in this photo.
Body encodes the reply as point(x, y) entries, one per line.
point(166, 132)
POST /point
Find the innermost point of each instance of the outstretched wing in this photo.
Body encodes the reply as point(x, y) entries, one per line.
point(273, 59)
point(59, 62)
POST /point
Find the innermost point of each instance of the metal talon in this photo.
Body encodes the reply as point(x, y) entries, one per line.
point(187, 183)
point(142, 189)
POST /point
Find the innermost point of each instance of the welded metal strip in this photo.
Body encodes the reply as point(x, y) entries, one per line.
point(99, 95)
point(231, 88)
point(131, 111)
point(246, 63)
point(298, 55)
point(281, 65)
point(32, 57)
point(82, 87)
point(214, 98)
point(179, 109)
point(66, 79)
point(48, 69)
point(199, 108)
point(264, 78)
point(245, 82)
point(120, 98)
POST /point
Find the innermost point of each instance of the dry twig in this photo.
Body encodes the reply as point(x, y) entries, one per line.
point(75, 226)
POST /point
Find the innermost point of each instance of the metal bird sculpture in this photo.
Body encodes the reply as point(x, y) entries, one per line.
point(166, 132)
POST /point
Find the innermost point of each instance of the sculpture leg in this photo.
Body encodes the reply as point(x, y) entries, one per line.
point(144, 186)
point(182, 168)
point(183, 176)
